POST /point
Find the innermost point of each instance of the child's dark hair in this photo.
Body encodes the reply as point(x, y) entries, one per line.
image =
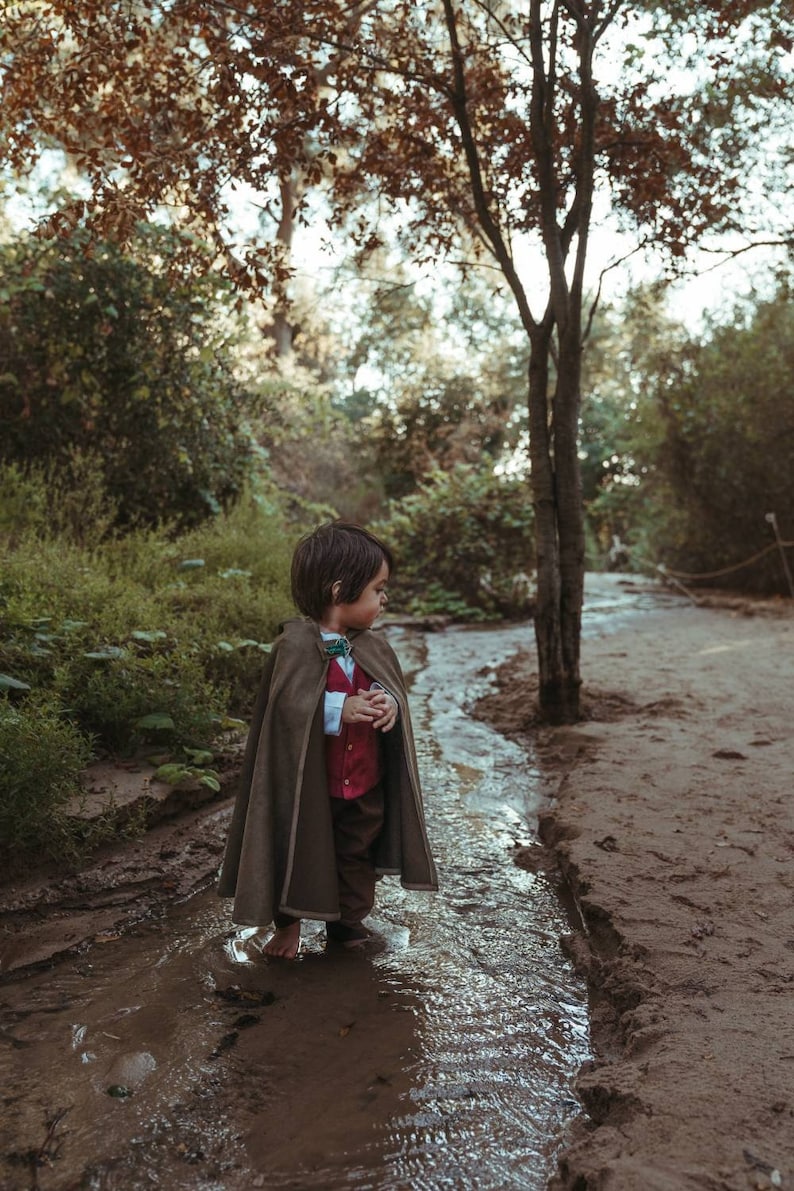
point(337, 551)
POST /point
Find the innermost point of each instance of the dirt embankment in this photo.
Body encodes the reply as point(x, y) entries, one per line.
point(49, 912)
point(672, 823)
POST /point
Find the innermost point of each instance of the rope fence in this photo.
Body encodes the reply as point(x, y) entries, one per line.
point(739, 566)
point(677, 577)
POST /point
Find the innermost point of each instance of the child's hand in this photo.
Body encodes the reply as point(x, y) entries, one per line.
point(386, 706)
point(359, 709)
point(376, 707)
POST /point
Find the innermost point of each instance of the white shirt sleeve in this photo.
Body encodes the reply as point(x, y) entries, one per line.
point(332, 712)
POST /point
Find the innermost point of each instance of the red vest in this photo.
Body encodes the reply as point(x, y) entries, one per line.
point(352, 759)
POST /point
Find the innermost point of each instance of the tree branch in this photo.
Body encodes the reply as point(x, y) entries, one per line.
point(607, 269)
point(601, 27)
point(583, 198)
point(729, 254)
point(481, 4)
point(540, 121)
point(491, 230)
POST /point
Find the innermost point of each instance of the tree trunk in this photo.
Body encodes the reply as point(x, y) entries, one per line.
point(559, 525)
point(280, 328)
point(570, 515)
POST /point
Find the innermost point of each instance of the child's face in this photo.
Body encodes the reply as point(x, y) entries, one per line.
point(364, 611)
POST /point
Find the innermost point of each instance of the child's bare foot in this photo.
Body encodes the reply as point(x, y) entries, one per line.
point(285, 942)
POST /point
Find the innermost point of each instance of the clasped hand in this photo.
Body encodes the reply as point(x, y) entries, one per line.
point(376, 706)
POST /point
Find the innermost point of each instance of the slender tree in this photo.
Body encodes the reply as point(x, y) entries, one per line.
point(512, 122)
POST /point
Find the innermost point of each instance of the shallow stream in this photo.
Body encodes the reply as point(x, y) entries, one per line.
point(174, 1056)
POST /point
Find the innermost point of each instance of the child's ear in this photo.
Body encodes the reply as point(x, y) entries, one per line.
point(335, 590)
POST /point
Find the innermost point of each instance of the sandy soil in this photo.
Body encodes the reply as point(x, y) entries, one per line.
point(673, 825)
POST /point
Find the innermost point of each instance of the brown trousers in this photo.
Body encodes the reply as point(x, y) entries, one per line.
point(357, 823)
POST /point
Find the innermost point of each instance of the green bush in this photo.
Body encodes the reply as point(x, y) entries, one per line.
point(727, 454)
point(692, 436)
point(126, 359)
point(107, 693)
point(144, 642)
point(463, 544)
point(41, 756)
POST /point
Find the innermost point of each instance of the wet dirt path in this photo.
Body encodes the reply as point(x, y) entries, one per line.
point(174, 1056)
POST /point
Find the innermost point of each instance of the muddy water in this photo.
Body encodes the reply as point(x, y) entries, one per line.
point(175, 1056)
point(504, 1024)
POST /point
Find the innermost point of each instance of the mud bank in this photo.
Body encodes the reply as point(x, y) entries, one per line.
point(167, 847)
point(672, 824)
point(51, 914)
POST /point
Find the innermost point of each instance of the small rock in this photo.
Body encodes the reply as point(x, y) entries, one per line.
point(130, 1069)
point(245, 1020)
point(701, 930)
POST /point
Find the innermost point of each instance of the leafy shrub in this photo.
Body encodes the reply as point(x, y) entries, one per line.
point(463, 544)
point(728, 453)
point(107, 691)
point(41, 756)
point(126, 359)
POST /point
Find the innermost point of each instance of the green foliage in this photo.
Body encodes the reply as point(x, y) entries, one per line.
point(697, 436)
point(629, 351)
point(109, 695)
point(41, 756)
point(726, 457)
point(463, 544)
point(445, 375)
point(317, 457)
point(123, 360)
point(175, 772)
point(122, 644)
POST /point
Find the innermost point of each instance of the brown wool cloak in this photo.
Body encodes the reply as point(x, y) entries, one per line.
point(280, 850)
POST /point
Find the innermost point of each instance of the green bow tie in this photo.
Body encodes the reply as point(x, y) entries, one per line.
point(341, 648)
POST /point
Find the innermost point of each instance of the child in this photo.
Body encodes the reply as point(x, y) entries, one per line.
point(329, 796)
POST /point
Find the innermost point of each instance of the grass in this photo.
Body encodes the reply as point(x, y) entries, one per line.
point(98, 634)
